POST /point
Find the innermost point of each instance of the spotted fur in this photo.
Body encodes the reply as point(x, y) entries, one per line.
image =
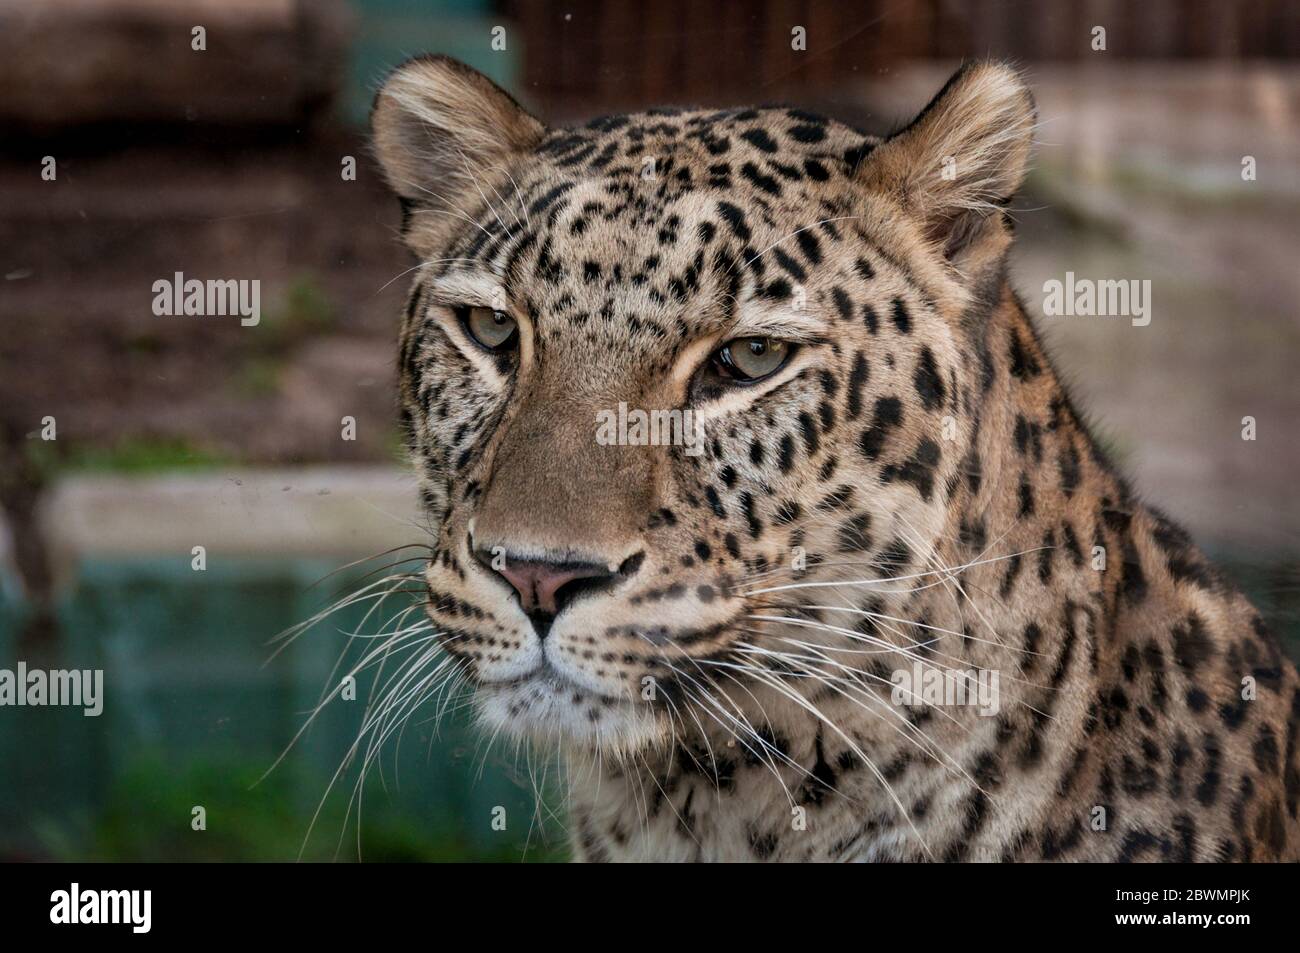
point(915, 486)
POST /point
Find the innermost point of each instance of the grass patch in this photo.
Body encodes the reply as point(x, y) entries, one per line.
point(148, 815)
point(258, 377)
point(305, 312)
point(128, 455)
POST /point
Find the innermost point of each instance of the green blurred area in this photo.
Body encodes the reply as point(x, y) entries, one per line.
point(195, 715)
point(128, 455)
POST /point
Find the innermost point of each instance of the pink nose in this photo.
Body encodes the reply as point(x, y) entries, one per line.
point(539, 582)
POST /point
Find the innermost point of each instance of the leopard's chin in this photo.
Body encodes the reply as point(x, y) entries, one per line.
point(546, 706)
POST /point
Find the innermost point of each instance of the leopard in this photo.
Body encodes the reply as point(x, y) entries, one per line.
point(896, 603)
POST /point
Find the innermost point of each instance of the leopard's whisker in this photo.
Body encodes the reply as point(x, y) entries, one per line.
point(368, 591)
point(853, 680)
point(906, 729)
point(957, 659)
point(366, 559)
point(337, 689)
point(853, 746)
point(385, 722)
point(739, 720)
point(900, 650)
point(955, 579)
point(423, 264)
point(345, 762)
point(801, 670)
point(891, 579)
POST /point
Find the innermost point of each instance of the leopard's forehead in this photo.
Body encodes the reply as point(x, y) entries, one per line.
point(763, 148)
point(652, 173)
point(652, 225)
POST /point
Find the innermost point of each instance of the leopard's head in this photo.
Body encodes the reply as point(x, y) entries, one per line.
point(792, 297)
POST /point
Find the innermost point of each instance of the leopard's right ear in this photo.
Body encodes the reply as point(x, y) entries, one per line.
point(441, 129)
point(957, 164)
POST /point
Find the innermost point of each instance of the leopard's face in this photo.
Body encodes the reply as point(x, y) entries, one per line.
point(738, 270)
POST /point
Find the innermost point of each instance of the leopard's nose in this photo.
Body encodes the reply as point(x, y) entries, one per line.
point(545, 587)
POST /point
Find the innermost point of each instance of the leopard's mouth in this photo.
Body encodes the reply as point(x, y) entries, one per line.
point(550, 677)
point(552, 706)
point(603, 673)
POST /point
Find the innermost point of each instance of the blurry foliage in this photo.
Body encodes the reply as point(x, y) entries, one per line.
point(305, 311)
point(128, 455)
point(257, 377)
point(147, 816)
point(144, 344)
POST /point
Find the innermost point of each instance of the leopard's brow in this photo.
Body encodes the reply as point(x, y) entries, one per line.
point(782, 320)
point(468, 286)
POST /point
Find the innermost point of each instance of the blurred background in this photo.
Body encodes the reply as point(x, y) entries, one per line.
point(227, 163)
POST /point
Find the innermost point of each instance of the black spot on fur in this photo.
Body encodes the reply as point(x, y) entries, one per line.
point(919, 469)
point(760, 140)
point(893, 559)
point(902, 320)
point(855, 535)
point(888, 415)
point(1026, 497)
point(857, 378)
point(929, 384)
point(786, 459)
point(764, 182)
point(1192, 644)
point(1070, 469)
point(1023, 364)
point(735, 220)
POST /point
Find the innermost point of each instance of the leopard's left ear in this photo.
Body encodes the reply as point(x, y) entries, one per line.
point(959, 162)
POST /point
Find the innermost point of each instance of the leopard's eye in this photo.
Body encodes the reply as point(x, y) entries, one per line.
point(749, 360)
point(493, 330)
